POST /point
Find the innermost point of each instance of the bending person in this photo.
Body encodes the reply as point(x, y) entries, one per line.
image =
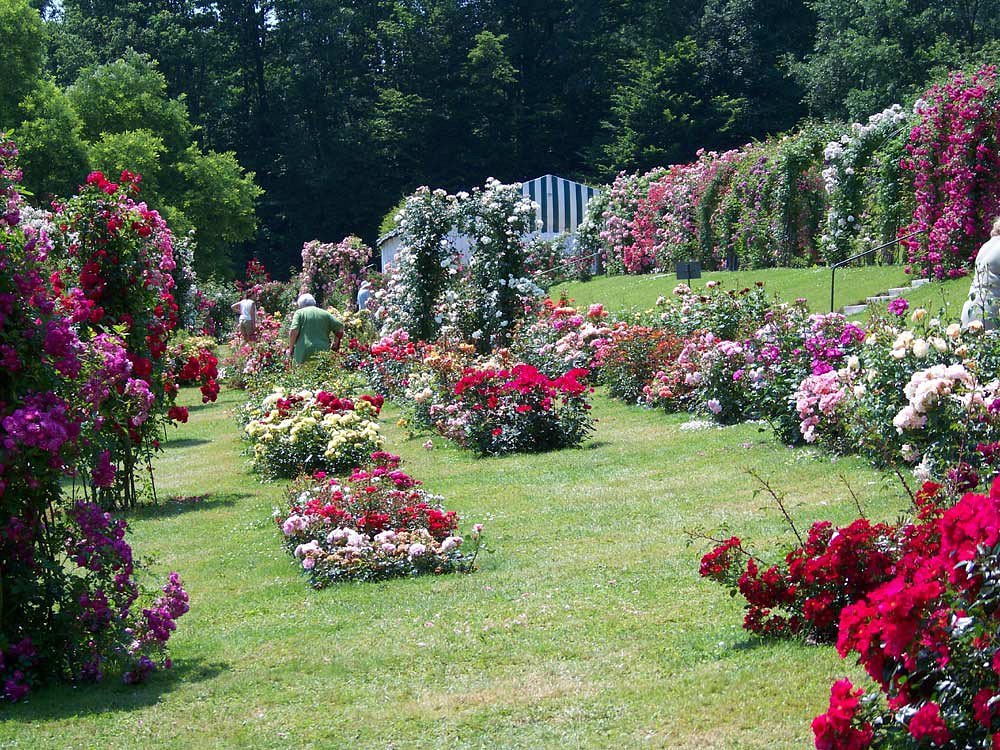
point(311, 329)
point(247, 310)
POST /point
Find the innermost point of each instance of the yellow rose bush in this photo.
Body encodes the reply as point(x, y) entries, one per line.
point(306, 431)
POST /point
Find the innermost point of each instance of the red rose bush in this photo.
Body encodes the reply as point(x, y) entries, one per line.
point(495, 411)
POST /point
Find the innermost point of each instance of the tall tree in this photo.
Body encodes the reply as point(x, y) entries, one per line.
point(745, 46)
point(22, 49)
point(872, 53)
point(662, 114)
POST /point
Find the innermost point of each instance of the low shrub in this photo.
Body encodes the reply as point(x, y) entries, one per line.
point(376, 524)
point(305, 431)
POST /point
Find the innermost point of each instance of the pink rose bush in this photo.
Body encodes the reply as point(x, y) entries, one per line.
point(261, 359)
point(334, 271)
point(561, 337)
point(377, 523)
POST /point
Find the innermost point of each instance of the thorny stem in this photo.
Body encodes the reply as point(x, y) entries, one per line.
point(765, 485)
point(854, 496)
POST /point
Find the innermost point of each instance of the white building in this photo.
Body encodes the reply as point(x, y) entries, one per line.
point(562, 205)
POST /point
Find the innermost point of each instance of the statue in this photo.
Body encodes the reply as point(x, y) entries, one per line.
point(984, 294)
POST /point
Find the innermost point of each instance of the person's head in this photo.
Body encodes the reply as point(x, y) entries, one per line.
point(306, 300)
point(995, 230)
point(366, 285)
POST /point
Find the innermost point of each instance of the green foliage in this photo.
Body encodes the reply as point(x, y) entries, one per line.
point(660, 114)
point(130, 94)
point(53, 153)
point(22, 48)
point(742, 46)
point(490, 80)
point(219, 198)
point(139, 151)
point(870, 53)
point(388, 222)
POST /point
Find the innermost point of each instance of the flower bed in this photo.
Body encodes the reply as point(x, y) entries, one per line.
point(376, 524)
point(518, 410)
point(305, 431)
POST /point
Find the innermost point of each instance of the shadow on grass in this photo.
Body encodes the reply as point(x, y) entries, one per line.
point(185, 442)
point(110, 696)
point(192, 408)
point(176, 505)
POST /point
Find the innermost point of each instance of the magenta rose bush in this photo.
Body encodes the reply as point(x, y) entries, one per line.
point(85, 313)
point(952, 154)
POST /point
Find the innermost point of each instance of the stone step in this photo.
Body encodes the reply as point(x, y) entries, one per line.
point(854, 309)
point(919, 282)
point(879, 298)
point(899, 291)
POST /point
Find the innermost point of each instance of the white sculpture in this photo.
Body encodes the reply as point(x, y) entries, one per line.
point(984, 294)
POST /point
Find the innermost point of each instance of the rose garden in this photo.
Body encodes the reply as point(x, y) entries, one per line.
point(508, 510)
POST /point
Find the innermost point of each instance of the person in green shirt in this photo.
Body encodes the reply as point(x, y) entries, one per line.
point(310, 330)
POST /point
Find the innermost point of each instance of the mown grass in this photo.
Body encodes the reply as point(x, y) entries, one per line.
point(587, 626)
point(853, 285)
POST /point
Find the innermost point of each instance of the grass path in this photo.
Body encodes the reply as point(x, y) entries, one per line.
point(587, 627)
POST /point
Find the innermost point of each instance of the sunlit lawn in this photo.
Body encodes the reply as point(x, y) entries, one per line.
point(853, 284)
point(587, 626)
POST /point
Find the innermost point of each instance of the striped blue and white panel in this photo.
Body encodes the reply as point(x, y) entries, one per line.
point(561, 202)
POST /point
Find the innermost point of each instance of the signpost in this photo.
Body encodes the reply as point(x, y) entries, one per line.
point(687, 270)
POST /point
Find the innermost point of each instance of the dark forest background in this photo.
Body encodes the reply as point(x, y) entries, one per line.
point(340, 108)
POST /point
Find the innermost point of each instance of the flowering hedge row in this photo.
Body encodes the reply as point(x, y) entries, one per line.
point(928, 174)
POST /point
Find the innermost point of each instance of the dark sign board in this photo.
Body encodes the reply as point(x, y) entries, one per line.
point(688, 270)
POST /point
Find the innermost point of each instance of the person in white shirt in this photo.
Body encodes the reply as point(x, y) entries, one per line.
point(247, 310)
point(364, 294)
point(984, 295)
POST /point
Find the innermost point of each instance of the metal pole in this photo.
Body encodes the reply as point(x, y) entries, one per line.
point(833, 284)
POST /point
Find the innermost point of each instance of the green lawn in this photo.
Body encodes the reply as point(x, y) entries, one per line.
point(853, 285)
point(586, 627)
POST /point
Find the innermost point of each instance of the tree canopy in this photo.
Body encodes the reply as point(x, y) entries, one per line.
point(339, 107)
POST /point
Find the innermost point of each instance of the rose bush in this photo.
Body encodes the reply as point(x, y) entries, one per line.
point(518, 410)
point(85, 311)
point(377, 523)
point(304, 431)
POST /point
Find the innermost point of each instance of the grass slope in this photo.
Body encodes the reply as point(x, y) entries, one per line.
point(812, 284)
point(586, 627)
